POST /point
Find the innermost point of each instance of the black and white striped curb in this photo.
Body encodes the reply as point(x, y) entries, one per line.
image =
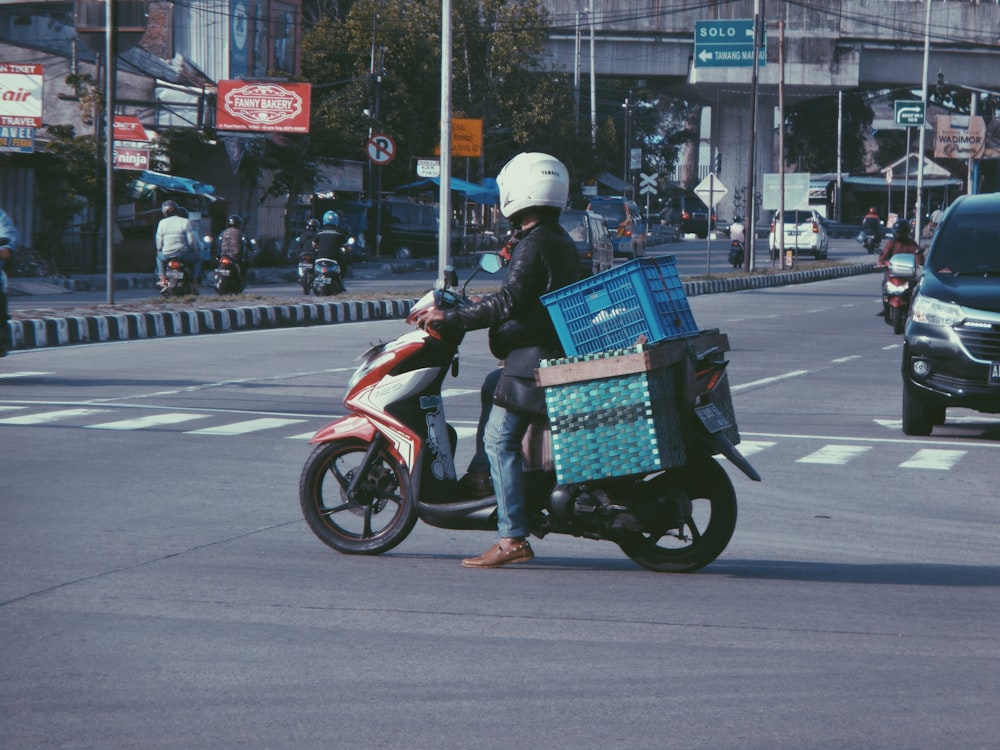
point(43, 332)
point(60, 331)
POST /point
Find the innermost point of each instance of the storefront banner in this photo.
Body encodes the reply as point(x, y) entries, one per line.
point(21, 95)
point(263, 107)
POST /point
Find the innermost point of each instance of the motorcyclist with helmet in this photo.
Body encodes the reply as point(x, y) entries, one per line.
point(233, 244)
point(176, 238)
point(304, 242)
point(901, 242)
point(534, 188)
point(871, 226)
point(329, 242)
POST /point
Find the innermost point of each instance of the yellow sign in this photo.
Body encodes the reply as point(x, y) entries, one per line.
point(466, 138)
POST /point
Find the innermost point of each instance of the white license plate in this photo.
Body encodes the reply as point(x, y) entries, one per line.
point(222, 271)
point(173, 274)
point(994, 378)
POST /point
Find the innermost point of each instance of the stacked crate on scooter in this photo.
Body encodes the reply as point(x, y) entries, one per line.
point(615, 408)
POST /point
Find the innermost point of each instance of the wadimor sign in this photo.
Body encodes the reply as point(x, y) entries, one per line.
point(966, 137)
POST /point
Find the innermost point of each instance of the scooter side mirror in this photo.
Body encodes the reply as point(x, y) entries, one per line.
point(490, 262)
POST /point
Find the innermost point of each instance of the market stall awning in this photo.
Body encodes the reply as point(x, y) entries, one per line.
point(180, 184)
point(479, 193)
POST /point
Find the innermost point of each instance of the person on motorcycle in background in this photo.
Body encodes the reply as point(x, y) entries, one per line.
point(176, 238)
point(534, 188)
point(329, 242)
point(872, 224)
point(736, 230)
point(901, 242)
point(233, 244)
point(304, 242)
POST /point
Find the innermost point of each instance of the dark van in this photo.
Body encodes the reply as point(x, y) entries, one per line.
point(408, 230)
point(951, 347)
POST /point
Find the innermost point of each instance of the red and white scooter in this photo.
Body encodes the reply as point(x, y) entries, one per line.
point(390, 462)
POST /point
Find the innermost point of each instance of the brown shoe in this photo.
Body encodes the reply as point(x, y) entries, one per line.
point(475, 485)
point(496, 556)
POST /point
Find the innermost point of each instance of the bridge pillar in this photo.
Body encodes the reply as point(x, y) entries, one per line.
point(731, 134)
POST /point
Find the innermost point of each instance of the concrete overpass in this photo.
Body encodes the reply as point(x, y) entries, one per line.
point(829, 46)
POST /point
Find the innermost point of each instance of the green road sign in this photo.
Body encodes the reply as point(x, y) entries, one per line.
point(729, 43)
point(909, 113)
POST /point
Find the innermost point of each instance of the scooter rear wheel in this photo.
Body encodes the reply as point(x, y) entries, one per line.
point(379, 517)
point(701, 504)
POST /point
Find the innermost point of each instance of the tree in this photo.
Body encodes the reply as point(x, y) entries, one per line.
point(379, 70)
point(811, 133)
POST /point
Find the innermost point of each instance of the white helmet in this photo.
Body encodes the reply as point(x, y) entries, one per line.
point(532, 180)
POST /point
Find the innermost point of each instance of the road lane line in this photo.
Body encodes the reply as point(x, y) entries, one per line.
point(834, 455)
point(242, 428)
point(848, 358)
point(141, 423)
point(933, 458)
point(768, 381)
point(21, 374)
point(750, 447)
point(49, 416)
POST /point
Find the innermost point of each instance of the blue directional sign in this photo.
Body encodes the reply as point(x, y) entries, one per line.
point(725, 44)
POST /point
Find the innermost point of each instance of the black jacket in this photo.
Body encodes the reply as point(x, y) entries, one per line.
point(521, 331)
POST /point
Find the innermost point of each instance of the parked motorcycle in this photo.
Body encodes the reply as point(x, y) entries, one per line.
point(897, 289)
point(327, 277)
point(180, 279)
point(390, 462)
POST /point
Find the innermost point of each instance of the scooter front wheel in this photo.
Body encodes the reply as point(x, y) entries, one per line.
point(379, 516)
point(697, 517)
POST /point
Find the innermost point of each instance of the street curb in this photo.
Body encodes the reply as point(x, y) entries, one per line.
point(61, 331)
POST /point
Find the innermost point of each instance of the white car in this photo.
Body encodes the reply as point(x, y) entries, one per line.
point(805, 232)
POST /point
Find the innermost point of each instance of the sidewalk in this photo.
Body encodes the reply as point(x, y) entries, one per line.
point(121, 326)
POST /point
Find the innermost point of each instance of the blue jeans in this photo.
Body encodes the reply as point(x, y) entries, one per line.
point(480, 463)
point(190, 257)
point(502, 441)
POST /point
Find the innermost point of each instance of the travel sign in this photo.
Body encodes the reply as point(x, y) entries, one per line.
point(727, 44)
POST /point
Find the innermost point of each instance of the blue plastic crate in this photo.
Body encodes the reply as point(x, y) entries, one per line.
point(610, 310)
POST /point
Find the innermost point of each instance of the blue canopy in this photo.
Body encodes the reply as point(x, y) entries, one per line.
point(180, 184)
point(479, 193)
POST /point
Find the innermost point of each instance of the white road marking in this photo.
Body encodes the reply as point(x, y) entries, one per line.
point(768, 381)
point(749, 447)
point(932, 458)
point(834, 455)
point(21, 374)
point(141, 423)
point(303, 436)
point(242, 428)
point(11, 408)
point(841, 360)
point(448, 392)
point(49, 416)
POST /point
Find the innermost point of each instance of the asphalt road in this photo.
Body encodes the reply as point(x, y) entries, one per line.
point(160, 589)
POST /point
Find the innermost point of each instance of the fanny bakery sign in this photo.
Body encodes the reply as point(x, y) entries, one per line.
point(263, 107)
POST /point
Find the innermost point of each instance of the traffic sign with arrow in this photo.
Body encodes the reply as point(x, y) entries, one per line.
point(727, 43)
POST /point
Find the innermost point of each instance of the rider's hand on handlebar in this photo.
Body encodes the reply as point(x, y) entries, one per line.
point(429, 319)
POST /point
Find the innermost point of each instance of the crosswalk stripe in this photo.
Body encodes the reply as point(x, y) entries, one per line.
point(836, 455)
point(242, 428)
point(140, 423)
point(749, 447)
point(49, 416)
point(933, 458)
